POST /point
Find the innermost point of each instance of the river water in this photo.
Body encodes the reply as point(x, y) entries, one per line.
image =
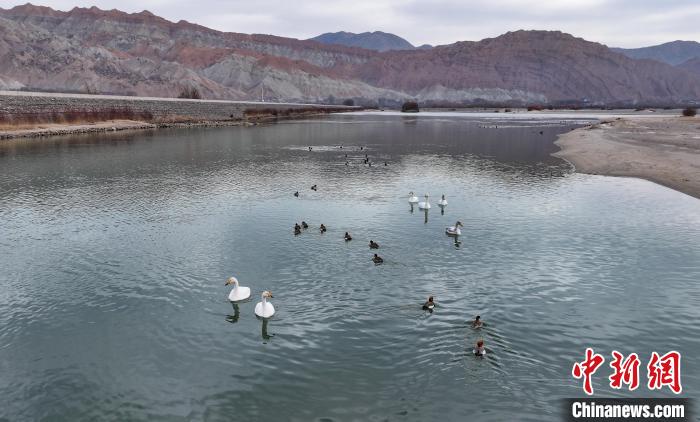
point(114, 250)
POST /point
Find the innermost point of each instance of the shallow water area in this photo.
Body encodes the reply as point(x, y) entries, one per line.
point(115, 250)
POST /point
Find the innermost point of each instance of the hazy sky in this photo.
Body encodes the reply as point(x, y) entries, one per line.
point(624, 23)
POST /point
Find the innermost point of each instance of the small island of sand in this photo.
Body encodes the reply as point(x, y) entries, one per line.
point(664, 150)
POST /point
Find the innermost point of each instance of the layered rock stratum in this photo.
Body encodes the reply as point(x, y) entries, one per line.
point(100, 51)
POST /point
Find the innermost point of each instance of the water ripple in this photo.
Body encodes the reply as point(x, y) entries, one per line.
point(114, 257)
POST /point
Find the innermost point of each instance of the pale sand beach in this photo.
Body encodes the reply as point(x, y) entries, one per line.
point(664, 150)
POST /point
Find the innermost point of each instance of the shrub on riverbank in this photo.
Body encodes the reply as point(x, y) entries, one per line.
point(690, 112)
point(410, 107)
point(190, 93)
point(262, 113)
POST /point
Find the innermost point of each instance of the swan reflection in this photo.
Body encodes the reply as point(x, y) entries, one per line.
point(236, 314)
point(265, 335)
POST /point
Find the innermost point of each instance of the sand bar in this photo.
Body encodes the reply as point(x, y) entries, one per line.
point(664, 150)
point(71, 129)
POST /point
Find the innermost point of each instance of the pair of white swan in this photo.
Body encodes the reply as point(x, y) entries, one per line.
point(263, 309)
point(425, 205)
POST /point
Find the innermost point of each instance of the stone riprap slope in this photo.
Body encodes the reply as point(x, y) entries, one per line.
point(24, 110)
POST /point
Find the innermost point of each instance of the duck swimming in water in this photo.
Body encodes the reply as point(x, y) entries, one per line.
point(412, 199)
point(442, 202)
point(479, 350)
point(477, 322)
point(296, 194)
point(429, 304)
point(323, 228)
point(377, 259)
point(238, 292)
point(264, 309)
point(347, 237)
point(313, 187)
point(304, 225)
point(373, 244)
point(297, 229)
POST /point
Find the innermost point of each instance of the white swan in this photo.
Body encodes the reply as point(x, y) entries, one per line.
point(412, 199)
point(424, 205)
point(454, 230)
point(238, 292)
point(442, 202)
point(264, 309)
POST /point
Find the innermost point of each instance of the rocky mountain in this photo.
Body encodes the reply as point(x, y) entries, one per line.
point(141, 54)
point(532, 66)
point(378, 41)
point(93, 50)
point(674, 53)
point(692, 65)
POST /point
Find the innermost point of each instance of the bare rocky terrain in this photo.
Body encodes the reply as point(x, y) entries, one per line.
point(692, 65)
point(112, 52)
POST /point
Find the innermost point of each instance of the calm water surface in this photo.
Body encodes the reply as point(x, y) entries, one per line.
point(114, 251)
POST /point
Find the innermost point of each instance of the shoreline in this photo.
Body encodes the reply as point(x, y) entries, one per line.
point(664, 150)
point(48, 130)
point(60, 129)
point(110, 126)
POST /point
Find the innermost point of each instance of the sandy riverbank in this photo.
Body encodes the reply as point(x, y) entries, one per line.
point(56, 129)
point(70, 129)
point(664, 150)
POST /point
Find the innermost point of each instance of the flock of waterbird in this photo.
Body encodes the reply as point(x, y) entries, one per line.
point(265, 309)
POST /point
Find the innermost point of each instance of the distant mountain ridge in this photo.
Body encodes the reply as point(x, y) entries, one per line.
point(673, 53)
point(109, 51)
point(377, 40)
